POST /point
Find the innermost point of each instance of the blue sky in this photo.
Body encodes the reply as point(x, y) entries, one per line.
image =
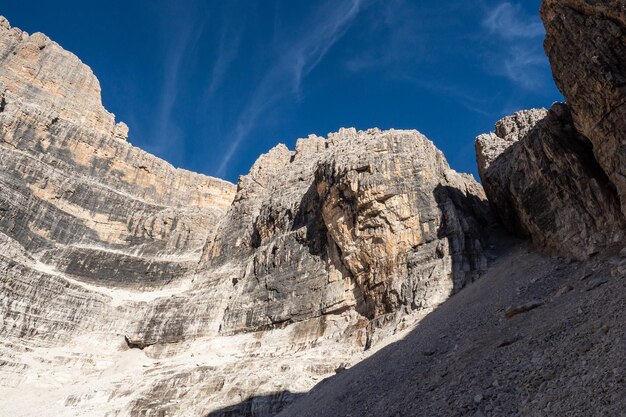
point(210, 85)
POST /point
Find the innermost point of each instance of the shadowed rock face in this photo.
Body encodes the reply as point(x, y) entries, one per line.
point(540, 176)
point(129, 287)
point(586, 44)
point(562, 355)
point(560, 176)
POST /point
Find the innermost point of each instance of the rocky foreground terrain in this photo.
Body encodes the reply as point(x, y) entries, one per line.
point(357, 275)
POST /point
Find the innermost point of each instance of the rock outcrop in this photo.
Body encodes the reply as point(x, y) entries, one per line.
point(129, 287)
point(586, 44)
point(373, 221)
point(540, 176)
point(560, 177)
point(73, 193)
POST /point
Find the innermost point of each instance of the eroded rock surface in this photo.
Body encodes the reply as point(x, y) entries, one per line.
point(128, 287)
point(73, 193)
point(540, 175)
point(586, 44)
point(372, 221)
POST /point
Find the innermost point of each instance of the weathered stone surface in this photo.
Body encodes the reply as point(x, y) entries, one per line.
point(74, 194)
point(128, 287)
point(541, 178)
point(374, 221)
point(586, 44)
point(40, 71)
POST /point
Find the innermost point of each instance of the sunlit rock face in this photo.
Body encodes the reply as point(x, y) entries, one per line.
point(543, 181)
point(586, 44)
point(74, 193)
point(129, 287)
point(371, 221)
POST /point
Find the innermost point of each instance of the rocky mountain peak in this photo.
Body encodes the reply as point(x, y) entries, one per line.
point(357, 274)
point(336, 215)
point(331, 247)
point(38, 70)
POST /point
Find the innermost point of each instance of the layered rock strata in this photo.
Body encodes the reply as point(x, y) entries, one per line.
point(543, 181)
point(73, 193)
point(372, 221)
point(128, 287)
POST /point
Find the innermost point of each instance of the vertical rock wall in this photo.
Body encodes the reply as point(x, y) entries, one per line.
point(372, 221)
point(586, 45)
point(542, 179)
point(318, 255)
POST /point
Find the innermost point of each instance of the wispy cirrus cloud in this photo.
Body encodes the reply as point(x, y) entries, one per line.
point(508, 21)
point(167, 135)
point(228, 46)
point(284, 77)
point(402, 35)
point(395, 34)
point(520, 56)
point(525, 65)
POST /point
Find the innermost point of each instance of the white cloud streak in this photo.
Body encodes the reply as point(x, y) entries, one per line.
point(521, 59)
point(227, 50)
point(396, 34)
point(523, 66)
point(508, 22)
point(285, 77)
point(166, 133)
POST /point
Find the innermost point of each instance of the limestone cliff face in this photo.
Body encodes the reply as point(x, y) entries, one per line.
point(371, 221)
point(560, 176)
point(543, 181)
point(586, 44)
point(73, 192)
point(129, 287)
point(37, 69)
